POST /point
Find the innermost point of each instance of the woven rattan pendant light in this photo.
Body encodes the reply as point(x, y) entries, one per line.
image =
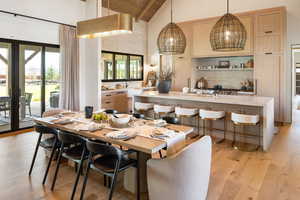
point(171, 39)
point(228, 34)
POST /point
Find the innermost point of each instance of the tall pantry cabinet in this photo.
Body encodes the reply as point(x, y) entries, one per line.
point(269, 56)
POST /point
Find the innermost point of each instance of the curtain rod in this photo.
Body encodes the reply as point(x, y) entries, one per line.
point(36, 18)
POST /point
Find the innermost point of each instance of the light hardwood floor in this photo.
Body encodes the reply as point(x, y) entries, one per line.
point(235, 175)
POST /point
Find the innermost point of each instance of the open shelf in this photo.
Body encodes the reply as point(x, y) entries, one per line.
point(238, 69)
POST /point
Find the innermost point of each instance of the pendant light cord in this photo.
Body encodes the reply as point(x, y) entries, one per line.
point(227, 6)
point(171, 11)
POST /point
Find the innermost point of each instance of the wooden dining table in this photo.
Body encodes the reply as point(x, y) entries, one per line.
point(145, 147)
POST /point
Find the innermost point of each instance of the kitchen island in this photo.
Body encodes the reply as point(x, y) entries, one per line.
point(262, 106)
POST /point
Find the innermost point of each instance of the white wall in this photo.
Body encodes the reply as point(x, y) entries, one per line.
point(90, 55)
point(197, 9)
point(64, 11)
point(135, 43)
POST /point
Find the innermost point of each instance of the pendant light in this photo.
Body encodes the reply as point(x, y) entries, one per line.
point(171, 39)
point(109, 25)
point(228, 34)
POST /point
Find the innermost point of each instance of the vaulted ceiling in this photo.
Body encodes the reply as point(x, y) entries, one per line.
point(140, 9)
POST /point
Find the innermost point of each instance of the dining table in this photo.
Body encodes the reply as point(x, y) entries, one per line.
point(145, 146)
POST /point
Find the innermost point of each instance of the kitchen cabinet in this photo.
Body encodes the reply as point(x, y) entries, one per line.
point(269, 23)
point(115, 100)
point(268, 79)
point(269, 58)
point(201, 39)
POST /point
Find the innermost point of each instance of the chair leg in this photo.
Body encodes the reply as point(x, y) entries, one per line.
point(85, 177)
point(35, 153)
point(114, 181)
point(57, 166)
point(160, 154)
point(138, 184)
point(78, 174)
point(105, 180)
point(50, 160)
point(29, 107)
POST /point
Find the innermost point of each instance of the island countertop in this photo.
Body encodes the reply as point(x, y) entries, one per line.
point(222, 99)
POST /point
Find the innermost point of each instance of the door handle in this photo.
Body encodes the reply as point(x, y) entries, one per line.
point(268, 32)
point(268, 53)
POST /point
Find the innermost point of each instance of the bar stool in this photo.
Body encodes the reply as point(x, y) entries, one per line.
point(160, 110)
point(188, 113)
point(243, 120)
point(209, 115)
point(143, 108)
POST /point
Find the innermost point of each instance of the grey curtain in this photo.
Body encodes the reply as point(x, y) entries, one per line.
point(69, 62)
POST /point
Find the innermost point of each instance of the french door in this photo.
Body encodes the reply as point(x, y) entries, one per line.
point(29, 82)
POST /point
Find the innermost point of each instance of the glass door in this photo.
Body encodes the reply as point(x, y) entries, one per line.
point(5, 86)
point(52, 78)
point(30, 84)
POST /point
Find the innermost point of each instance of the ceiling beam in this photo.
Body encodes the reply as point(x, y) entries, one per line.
point(146, 9)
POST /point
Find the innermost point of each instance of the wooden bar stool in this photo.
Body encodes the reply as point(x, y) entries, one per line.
point(243, 120)
point(162, 110)
point(187, 113)
point(209, 115)
point(143, 108)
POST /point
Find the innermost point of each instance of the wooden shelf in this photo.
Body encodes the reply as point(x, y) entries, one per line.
point(244, 69)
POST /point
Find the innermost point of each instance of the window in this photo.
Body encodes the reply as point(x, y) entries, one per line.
point(122, 67)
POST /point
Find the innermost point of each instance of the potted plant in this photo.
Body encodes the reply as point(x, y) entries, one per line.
point(165, 80)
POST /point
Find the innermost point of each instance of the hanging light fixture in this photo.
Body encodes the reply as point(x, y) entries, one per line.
point(105, 26)
point(171, 39)
point(228, 34)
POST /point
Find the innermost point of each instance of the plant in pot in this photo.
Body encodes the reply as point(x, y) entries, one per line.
point(165, 81)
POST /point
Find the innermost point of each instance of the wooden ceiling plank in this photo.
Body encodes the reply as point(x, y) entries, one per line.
point(146, 9)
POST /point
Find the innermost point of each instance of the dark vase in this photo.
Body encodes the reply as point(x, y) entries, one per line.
point(164, 86)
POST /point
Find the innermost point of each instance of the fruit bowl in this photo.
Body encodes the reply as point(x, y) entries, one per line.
point(100, 117)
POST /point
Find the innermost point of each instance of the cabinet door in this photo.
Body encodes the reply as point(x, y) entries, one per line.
point(121, 102)
point(268, 44)
point(269, 23)
point(267, 74)
point(201, 39)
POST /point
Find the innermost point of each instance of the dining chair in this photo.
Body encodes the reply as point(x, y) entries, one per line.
point(171, 120)
point(28, 98)
point(75, 151)
point(184, 175)
point(49, 143)
point(111, 111)
point(111, 162)
point(138, 115)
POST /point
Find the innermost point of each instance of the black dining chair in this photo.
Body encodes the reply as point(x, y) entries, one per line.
point(138, 116)
point(112, 160)
point(171, 120)
point(72, 148)
point(111, 111)
point(48, 143)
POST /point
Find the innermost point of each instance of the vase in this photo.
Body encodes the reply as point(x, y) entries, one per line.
point(164, 86)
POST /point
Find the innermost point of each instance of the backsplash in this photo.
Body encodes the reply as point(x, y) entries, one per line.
point(131, 84)
point(227, 78)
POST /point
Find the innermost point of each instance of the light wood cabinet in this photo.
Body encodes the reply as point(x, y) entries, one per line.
point(269, 23)
point(115, 100)
point(270, 57)
point(267, 74)
point(201, 39)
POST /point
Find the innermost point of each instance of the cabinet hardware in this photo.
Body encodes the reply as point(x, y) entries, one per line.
point(268, 53)
point(107, 102)
point(268, 32)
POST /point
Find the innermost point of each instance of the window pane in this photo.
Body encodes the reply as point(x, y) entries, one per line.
point(108, 66)
point(121, 69)
point(136, 67)
point(52, 76)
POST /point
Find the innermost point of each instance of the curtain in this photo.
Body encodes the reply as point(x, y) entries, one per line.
point(69, 62)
